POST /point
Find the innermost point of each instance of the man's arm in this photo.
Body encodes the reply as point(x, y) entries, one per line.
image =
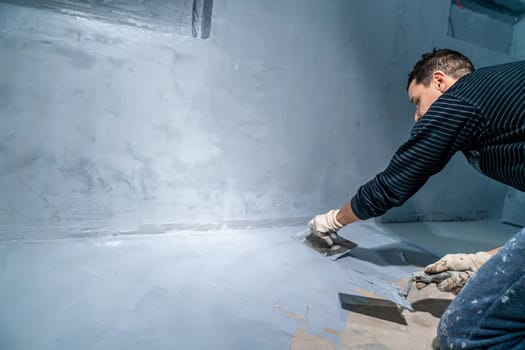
point(446, 128)
point(346, 215)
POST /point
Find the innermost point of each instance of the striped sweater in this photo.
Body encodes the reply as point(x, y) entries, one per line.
point(482, 115)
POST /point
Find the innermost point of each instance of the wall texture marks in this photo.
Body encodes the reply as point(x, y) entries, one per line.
point(283, 113)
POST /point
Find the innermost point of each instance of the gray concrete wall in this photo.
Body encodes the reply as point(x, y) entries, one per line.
point(481, 26)
point(514, 205)
point(518, 42)
point(283, 113)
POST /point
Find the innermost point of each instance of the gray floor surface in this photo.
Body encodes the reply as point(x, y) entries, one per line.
point(227, 289)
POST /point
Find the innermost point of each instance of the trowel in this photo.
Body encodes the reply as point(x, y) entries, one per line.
point(419, 277)
point(341, 245)
point(381, 286)
point(399, 295)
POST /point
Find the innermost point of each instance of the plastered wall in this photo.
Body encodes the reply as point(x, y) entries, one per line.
point(283, 113)
point(518, 42)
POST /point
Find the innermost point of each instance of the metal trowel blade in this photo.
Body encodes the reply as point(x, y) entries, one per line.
point(380, 286)
point(340, 248)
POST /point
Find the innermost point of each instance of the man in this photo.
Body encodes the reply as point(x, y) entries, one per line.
point(481, 113)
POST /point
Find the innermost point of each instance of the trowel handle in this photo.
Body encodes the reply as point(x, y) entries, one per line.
point(432, 278)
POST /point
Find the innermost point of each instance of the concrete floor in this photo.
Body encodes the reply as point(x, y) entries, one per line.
point(236, 289)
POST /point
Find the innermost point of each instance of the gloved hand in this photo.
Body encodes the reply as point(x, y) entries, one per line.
point(461, 266)
point(447, 281)
point(455, 282)
point(459, 262)
point(325, 226)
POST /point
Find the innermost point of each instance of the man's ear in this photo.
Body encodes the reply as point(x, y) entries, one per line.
point(440, 81)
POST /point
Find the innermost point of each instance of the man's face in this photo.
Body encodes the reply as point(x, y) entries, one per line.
point(422, 97)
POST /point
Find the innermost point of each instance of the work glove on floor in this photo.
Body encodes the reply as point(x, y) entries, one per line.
point(325, 226)
point(461, 267)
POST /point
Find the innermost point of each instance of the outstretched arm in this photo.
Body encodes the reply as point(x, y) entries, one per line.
point(446, 128)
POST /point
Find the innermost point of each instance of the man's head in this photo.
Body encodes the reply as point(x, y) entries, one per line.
point(432, 75)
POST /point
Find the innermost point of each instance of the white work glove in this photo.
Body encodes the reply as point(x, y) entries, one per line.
point(325, 226)
point(461, 266)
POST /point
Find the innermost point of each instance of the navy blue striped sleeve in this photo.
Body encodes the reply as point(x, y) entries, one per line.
point(447, 127)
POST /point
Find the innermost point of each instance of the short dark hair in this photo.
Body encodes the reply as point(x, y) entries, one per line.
point(448, 61)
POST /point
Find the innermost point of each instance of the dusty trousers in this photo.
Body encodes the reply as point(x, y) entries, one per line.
point(489, 312)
